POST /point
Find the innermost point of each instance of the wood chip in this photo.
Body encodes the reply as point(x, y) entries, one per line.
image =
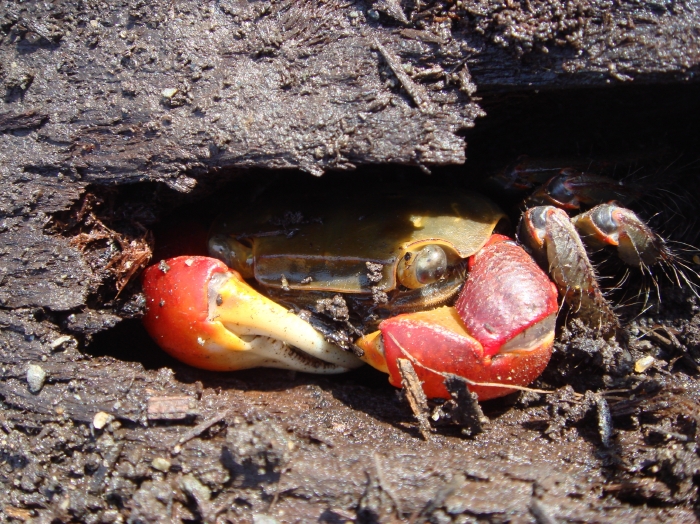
point(467, 412)
point(643, 364)
point(415, 395)
point(171, 408)
point(17, 513)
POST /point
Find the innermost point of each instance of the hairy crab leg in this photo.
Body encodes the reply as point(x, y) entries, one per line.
point(613, 225)
point(553, 241)
point(205, 315)
point(570, 189)
point(501, 329)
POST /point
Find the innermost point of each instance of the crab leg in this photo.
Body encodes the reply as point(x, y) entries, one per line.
point(205, 315)
point(552, 240)
point(500, 331)
point(613, 225)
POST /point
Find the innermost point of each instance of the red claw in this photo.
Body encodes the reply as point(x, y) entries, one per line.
point(505, 294)
point(501, 329)
point(204, 314)
point(177, 305)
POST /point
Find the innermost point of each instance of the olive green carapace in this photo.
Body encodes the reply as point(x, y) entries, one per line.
point(326, 246)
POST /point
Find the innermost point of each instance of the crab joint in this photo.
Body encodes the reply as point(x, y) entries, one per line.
point(204, 314)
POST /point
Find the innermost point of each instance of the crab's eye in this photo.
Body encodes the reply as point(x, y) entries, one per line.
point(418, 268)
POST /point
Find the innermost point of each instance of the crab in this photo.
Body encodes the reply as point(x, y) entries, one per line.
point(392, 265)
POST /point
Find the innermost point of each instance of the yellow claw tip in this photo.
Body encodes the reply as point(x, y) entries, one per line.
point(373, 347)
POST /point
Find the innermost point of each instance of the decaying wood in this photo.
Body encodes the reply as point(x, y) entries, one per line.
point(100, 96)
point(121, 93)
point(467, 412)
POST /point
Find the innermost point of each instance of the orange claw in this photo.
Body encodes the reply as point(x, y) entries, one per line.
point(501, 329)
point(204, 314)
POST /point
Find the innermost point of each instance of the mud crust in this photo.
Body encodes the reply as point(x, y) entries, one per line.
point(114, 116)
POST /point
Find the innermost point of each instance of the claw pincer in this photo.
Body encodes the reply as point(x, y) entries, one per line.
point(500, 331)
point(204, 314)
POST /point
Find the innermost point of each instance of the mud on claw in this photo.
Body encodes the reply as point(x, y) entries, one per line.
point(423, 275)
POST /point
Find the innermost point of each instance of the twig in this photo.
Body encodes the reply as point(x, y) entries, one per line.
point(412, 89)
point(605, 426)
point(199, 429)
point(415, 395)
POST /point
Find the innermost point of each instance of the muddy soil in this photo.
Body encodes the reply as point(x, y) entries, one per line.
point(121, 120)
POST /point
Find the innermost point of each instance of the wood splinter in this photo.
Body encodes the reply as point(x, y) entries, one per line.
point(415, 395)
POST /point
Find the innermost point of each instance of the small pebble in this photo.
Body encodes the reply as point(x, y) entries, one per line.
point(169, 93)
point(57, 343)
point(193, 487)
point(36, 376)
point(643, 364)
point(101, 419)
point(161, 464)
point(258, 518)
point(111, 515)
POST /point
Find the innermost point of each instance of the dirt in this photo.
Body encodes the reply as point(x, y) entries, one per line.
point(125, 125)
point(301, 448)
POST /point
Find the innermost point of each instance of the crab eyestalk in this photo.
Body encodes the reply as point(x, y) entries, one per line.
point(500, 332)
point(204, 314)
